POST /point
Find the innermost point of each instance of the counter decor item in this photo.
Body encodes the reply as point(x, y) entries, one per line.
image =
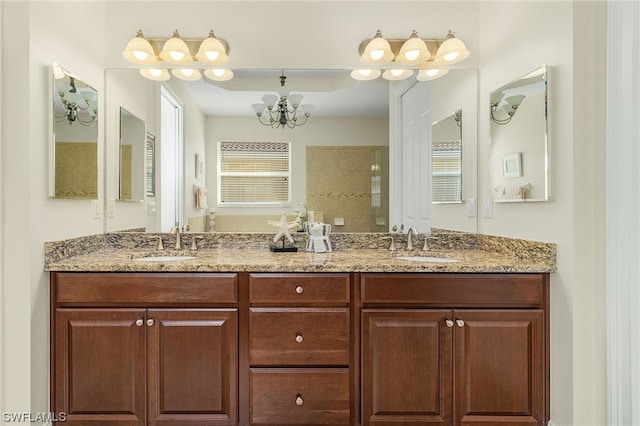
point(283, 233)
point(318, 237)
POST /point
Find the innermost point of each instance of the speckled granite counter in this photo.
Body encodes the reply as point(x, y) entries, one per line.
point(238, 252)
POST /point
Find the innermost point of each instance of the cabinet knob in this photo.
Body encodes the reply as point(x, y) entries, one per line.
point(150, 322)
point(299, 400)
point(460, 323)
point(449, 323)
point(139, 322)
point(299, 338)
point(299, 289)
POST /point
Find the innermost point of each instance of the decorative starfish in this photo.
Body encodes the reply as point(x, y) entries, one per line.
point(283, 227)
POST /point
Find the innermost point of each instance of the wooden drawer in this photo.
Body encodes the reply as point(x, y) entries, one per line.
point(454, 290)
point(299, 289)
point(304, 396)
point(299, 336)
point(144, 289)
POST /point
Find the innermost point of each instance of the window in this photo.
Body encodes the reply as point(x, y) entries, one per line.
point(251, 173)
point(446, 163)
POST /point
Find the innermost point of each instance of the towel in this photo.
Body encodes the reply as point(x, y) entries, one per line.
point(201, 197)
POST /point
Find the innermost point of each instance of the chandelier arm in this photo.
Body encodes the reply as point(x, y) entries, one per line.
point(500, 121)
point(269, 123)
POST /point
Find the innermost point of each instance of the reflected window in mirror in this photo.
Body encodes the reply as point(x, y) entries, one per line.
point(519, 152)
point(150, 165)
point(446, 159)
point(74, 143)
point(254, 173)
point(132, 159)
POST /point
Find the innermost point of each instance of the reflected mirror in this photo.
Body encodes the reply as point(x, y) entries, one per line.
point(132, 157)
point(446, 159)
point(339, 158)
point(519, 153)
point(74, 146)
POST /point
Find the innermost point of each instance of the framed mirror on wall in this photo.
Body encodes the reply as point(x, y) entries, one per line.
point(519, 142)
point(73, 162)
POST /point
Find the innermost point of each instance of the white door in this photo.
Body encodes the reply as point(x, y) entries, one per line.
point(171, 181)
point(413, 165)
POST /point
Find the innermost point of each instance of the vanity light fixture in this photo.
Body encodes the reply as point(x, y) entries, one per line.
point(402, 56)
point(282, 111)
point(511, 106)
point(178, 51)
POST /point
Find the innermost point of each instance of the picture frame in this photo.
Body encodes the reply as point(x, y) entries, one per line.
point(512, 165)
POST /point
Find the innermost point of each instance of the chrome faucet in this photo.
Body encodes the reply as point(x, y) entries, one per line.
point(176, 230)
point(410, 234)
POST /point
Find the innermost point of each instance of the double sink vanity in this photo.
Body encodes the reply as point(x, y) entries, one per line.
point(234, 334)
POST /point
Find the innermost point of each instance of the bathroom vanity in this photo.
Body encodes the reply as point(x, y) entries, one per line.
point(249, 337)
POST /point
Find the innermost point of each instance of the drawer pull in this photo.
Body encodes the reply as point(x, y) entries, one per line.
point(449, 323)
point(140, 322)
point(299, 289)
point(299, 400)
point(150, 322)
point(460, 323)
point(299, 338)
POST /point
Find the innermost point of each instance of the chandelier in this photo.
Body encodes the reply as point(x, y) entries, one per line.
point(75, 104)
point(282, 111)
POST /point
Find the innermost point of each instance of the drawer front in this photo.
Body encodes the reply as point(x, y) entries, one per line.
point(299, 289)
point(148, 289)
point(299, 336)
point(452, 290)
point(308, 396)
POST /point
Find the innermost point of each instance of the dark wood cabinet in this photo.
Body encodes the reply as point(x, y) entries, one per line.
point(424, 365)
point(278, 349)
point(144, 366)
point(300, 349)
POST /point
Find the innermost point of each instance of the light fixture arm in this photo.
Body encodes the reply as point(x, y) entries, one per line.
point(507, 119)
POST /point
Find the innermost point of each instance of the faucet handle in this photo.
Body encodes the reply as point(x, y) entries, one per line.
point(159, 246)
point(427, 238)
point(194, 242)
point(392, 246)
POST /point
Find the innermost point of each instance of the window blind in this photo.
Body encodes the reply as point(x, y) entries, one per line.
point(253, 172)
point(446, 170)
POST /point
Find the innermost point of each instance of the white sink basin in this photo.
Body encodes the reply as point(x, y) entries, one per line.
point(427, 259)
point(164, 258)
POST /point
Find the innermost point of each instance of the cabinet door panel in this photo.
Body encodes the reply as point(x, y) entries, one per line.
point(193, 367)
point(499, 365)
point(406, 367)
point(100, 365)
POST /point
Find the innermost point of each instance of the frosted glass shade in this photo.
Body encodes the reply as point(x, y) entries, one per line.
point(212, 51)
point(365, 74)
point(157, 74)
point(218, 74)
point(431, 74)
point(176, 51)
point(378, 51)
point(187, 74)
point(397, 74)
point(140, 51)
point(413, 51)
point(451, 51)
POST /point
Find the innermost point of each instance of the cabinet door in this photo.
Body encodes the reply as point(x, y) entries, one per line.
point(499, 367)
point(100, 365)
point(406, 367)
point(193, 363)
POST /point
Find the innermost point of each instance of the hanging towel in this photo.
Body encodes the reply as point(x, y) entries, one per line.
point(201, 197)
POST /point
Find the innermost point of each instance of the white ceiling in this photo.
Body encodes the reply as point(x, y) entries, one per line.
point(332, 92)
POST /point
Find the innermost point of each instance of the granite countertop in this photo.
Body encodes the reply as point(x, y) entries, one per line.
point(218, 252)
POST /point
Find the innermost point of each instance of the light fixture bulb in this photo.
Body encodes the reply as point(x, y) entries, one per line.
point(212, 51)
point(397, 74)
point(413, 51)
point(451, 51)
point(188, 74)
point(156, 74)
point(431, 74)
point(365, 74)
point(176, 51)
point(218, 74)
point(139, 50)
point(377, 51)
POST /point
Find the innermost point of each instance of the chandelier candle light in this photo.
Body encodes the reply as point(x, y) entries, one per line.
point(404, 56)
point(282, 111)
point(177, 53)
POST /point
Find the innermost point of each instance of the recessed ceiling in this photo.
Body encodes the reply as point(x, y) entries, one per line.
point(333, 93)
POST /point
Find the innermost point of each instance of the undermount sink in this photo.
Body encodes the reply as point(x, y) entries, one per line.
point(427, 259)
point(164, 258)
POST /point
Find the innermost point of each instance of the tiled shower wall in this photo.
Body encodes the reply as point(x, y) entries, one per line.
point(350, 182)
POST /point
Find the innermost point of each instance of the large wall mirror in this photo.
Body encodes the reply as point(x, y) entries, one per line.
point(74, 142)
point(519, 151)
point(339, 158)
point(132, 157)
